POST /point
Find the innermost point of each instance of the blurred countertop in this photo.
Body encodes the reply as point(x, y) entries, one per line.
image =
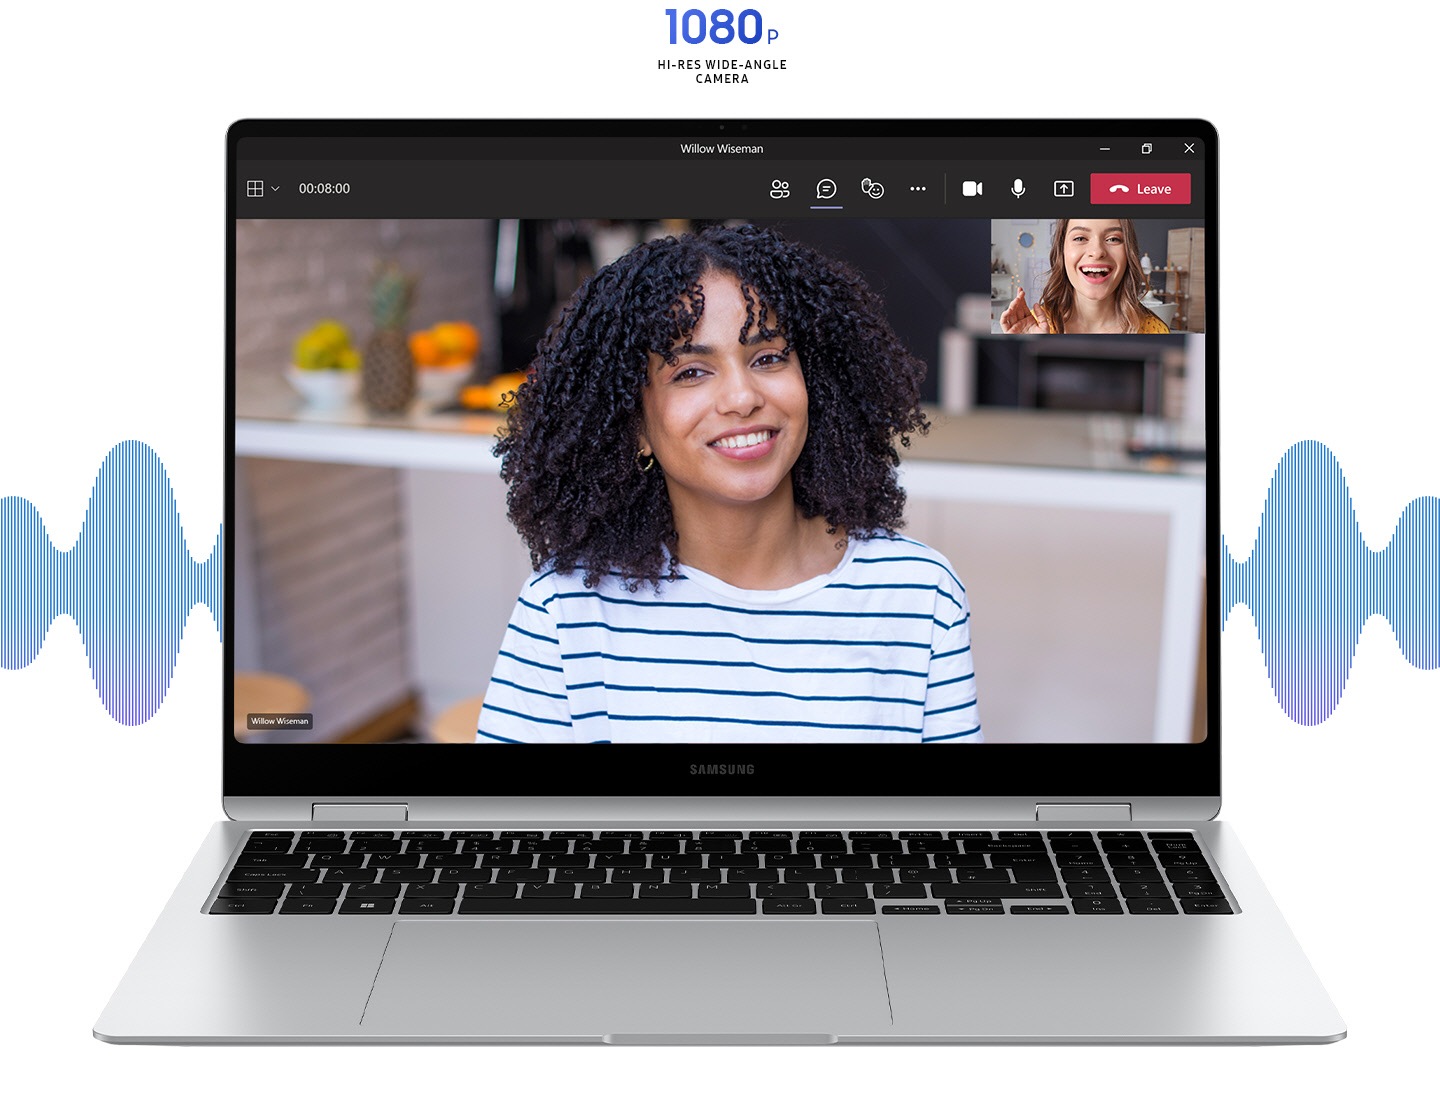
point(272, 421)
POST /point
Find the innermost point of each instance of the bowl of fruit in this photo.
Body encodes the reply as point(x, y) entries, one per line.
point(444, 359)
point(326, 367)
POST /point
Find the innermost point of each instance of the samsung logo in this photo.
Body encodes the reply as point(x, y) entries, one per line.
point(722, 769)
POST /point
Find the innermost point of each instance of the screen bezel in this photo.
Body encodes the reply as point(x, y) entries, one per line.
point(1048, 772)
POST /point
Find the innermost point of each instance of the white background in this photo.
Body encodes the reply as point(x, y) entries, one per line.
point(111, 285)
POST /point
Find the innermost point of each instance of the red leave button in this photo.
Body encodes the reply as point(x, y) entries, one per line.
point(1128, 188)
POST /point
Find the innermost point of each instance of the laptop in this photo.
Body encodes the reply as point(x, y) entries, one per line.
point(705, 582)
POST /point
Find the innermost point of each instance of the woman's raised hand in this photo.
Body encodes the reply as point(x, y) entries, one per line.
point(1020, 320)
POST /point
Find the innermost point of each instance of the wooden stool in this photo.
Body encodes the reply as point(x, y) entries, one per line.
point(266, 693)
point(457, 723)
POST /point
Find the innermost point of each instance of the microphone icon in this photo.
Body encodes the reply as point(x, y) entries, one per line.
point(1018, 188)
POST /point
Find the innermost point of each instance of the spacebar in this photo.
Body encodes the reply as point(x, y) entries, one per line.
point(711, 905)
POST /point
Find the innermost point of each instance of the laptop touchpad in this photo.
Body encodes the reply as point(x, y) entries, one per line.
point(643, 980)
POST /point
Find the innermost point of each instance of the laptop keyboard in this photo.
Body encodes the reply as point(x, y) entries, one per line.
point(722, 872)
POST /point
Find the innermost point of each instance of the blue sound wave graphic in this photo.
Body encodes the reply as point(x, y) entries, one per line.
point(129, 582)
point(1311, 582)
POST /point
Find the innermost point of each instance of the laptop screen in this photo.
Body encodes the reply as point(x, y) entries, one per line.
point(726, 441)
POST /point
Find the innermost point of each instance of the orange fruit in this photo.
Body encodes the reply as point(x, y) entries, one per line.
point(458, 341)
point(424, 348)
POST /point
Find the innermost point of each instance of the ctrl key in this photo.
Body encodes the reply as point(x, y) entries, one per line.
point(256, 905)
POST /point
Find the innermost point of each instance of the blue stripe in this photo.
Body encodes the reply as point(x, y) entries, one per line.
point(949, 737)
point(497, 737)
point(521, 688)
point(748, 722)
point(735, 665)
point(915, 559)
point(729, 692)
point(954, 680)
point(534, 608)
point(742, 638)
point(527, 661)
point(740, 611)
point(521, 715)
point(899, 585)
point(951, 653)
point(947, 710)
point(531, 634)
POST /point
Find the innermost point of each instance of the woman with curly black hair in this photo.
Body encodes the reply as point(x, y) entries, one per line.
point(702, 464)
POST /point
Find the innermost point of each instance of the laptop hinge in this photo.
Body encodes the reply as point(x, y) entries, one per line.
point(379, 812)
point(1082, 811)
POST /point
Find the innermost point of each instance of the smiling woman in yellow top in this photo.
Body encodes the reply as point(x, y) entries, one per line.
point(1094, 287)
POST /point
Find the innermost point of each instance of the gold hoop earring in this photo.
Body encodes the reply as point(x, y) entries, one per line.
point(649, 459)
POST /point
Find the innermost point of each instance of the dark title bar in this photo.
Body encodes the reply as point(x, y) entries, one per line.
point(750, 141)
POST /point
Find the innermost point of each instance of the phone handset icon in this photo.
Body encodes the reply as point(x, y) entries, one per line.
point(1119, 188)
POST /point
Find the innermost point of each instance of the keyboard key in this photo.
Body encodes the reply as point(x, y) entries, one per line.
point(427, 889)
point(367, 906)
point(252, 889)
point(910, 910)
point(782, 889)
point(1145, 889)
point(1146, 906)
point(243, 905)
point(840, 890)
point(1096, 889)
point(307, 906)
point(1097, 905)
point(337, 859)
point(900, 890)
point(374, 889)
point(1206, 905)
point(425, 906)
point(1040, 910)
point(493, 890)
point(601, 905)
point(315, 889)
point(269, 859)
point(534, 890)
point(1198, 889)
point(413, 874)
point(974, 910)
point(1189, 874)
point(651, 891)
point(712, 891)
point(1020, 890)
point(622, 890)
point(350, 874)
point(837, 906)
point(785, 906)
point(1137, 874)
point(273, 874)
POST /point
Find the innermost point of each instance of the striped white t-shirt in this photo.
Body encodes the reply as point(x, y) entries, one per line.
point(878, 650)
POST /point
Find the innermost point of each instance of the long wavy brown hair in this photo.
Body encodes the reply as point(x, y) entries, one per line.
point(579, 498)
point(1058, 299)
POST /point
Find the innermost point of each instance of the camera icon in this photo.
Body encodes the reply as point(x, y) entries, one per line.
point(972, 189)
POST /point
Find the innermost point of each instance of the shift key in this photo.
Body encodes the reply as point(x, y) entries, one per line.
point(1020, 891)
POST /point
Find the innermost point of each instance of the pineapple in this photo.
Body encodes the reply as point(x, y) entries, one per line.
point(388, 374)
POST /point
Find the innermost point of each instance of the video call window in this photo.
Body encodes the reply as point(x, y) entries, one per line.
point(582, 481)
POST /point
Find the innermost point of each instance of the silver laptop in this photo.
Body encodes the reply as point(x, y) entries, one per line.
point(721, 582)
